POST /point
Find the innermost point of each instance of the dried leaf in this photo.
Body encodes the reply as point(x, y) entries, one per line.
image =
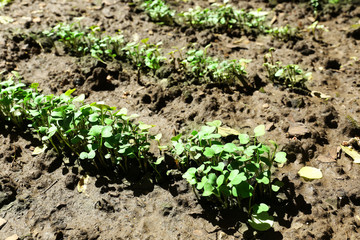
point(352, 153)
point(81, 187)
point(310, 173)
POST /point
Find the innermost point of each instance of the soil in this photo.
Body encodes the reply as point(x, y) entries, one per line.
point(38, 194)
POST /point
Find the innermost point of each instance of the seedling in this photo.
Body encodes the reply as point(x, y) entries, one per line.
point(284, 33)
point(159, 11)
point(198, 64)
point(228, 173)
point(291, 76)
point(317, 30)
point(96, 132)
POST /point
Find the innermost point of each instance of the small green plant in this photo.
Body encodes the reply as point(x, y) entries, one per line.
point(3, 3)
point(317, 30)
point(230, 174)
point(144, 55)
point(159, 11)
point(96, 133)
point(225, 17)
point(198, 64)
point(91, 41)
point(284, 33)
point(81, 42)
point(291, 76)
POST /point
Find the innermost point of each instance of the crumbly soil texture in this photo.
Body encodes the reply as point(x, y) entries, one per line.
point(39, 198)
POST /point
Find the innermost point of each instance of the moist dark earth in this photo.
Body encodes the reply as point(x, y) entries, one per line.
point(38, 194)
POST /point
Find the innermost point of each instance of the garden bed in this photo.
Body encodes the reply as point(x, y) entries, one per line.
point(51, 195)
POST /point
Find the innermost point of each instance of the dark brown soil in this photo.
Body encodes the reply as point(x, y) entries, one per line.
point(38, 194)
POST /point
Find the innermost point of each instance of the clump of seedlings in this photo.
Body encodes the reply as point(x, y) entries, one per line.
point(158, 11)
point(201, 66)
point(91, 41)
point(224, 16)
point(221, 17)
point(290, 76)
point(98, 134)
point(230, 174)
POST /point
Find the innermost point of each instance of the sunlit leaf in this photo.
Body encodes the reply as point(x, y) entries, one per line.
point(310, 173)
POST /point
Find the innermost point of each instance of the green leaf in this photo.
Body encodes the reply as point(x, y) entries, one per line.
point(244, 139)
point(91, 154)
point(69, 92)
point(217, 148)
point(238, 179)
point(79, 98)
point(259, 130)
point(216, 123)
point(209, 153)
point(176, 138)
point(208, 189)
point(106, 131)
point(219, 167)
point(143, 126)
point(84, 155)
point(179, 148)
point(207, 129)
point(280, 157)
point(230, 148)
point(220, 180)
point(276, 186)
point(261, 222)
point(95, 130)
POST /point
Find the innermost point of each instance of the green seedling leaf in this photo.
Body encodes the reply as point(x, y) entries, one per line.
point(158, 137)
point(95, 130)
point(69, 92)
point(276, 186)
point(310, 173)
point(244, 190)
point(219, 167)
point(143, 126)
point(159, 160)
point(83, 155)
point(220, 180)
point(352, 153)
point(106, 131)
point(238, 179)
point(280, 157)
point(216, 123)
point(207, 129)
point(217, 148)
point(179, 148)
point(257, 209)
point(91, 154)
point(79, 98)
point(259, 130)
point(208, 189)
point(260, 219)
point(230, 148)
point(122, 112)
point(244, 139)
point(176, 138)
point(34, 86)
point(209, 153)
point(261, 222)
point(224, 132)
